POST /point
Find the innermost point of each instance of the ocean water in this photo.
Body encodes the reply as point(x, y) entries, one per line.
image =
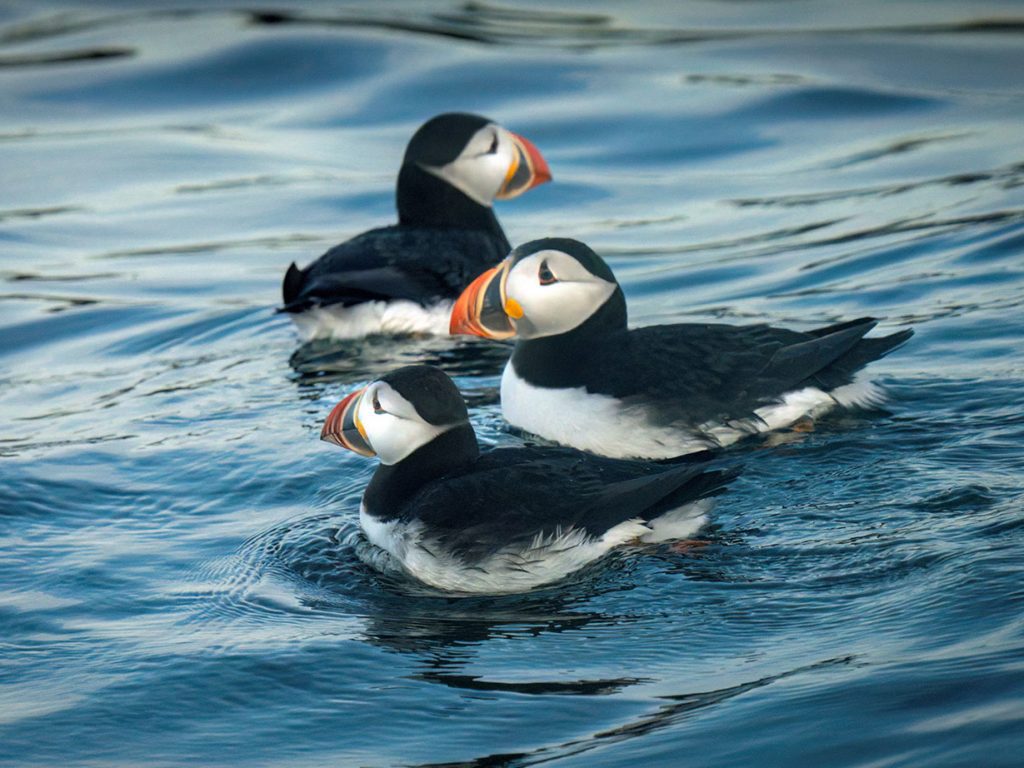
point(180, 580)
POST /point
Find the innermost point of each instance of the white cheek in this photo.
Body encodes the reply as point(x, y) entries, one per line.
point(479, 176)
point(482, 176)
point(552, 309)
point(393, 438)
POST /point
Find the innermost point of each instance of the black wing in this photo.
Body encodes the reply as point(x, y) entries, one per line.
point(509, 496)
point(697, 372)
point(419, 264)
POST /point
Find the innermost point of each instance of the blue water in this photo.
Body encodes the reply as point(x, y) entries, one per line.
point(179, 573)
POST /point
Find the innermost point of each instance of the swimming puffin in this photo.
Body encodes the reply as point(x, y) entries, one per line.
point(509, 519)
point(404, 278)
point(579, 377)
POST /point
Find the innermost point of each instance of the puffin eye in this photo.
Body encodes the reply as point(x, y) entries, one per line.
point(545, 275)
point(376, 404)
point(494, 146)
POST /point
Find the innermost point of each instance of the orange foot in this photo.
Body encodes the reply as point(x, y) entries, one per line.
point(803, 424)
point(688, 546)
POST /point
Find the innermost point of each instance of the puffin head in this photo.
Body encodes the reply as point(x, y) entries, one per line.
point(397, 414)
point(543, 288)
point(477, 156)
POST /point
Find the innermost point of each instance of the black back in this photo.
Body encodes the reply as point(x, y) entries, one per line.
point(509, 496)
point(693, 373)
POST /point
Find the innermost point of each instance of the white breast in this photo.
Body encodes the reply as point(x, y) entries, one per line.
point(513, 569)
point(596, 423)
point(373, 317)
point(605, 425)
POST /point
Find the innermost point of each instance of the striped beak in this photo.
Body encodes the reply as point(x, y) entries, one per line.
point(528, 169)
point(482, 309)
point(343, 428)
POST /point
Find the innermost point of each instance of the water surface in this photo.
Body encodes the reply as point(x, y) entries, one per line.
point(179, 554)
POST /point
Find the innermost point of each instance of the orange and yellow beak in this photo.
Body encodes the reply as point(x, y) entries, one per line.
point(483, 309)
point(342, 426)
point(528, 169)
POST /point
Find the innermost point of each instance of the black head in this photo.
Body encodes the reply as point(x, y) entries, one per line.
point(441, 139)
point(416, 421)
point(429, 390)
point(544, 288)
point(457, 164)
point(399, 413)
point(581, 252)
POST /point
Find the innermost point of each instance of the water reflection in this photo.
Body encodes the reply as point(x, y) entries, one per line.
point(367, 358)
point(330, 571)
point(443, 631)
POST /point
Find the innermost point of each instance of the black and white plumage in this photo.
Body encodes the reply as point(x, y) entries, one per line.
point(404, 278)
point(580, 377)
point(510, 519)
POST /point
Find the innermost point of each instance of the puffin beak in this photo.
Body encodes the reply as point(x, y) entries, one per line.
point(343, 428)
point(481, 309)
point(528, 169)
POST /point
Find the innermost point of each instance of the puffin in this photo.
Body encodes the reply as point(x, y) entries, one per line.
point(402, 279)
point(508, 519)
point(580, 377)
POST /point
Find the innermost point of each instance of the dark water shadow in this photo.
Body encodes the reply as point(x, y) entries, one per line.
point(442, 631)
point(678, 707)
point(493, 24)
point(497, 24)
point(66, 57)
point(607, 687)
point(372, 356)
point(1010, 175)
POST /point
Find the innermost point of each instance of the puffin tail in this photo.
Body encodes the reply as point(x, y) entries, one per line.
point(867, 351)
point(702, 485)
point(833, 355)
point(646, 498)
point(291, 287)
point(682, 513)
